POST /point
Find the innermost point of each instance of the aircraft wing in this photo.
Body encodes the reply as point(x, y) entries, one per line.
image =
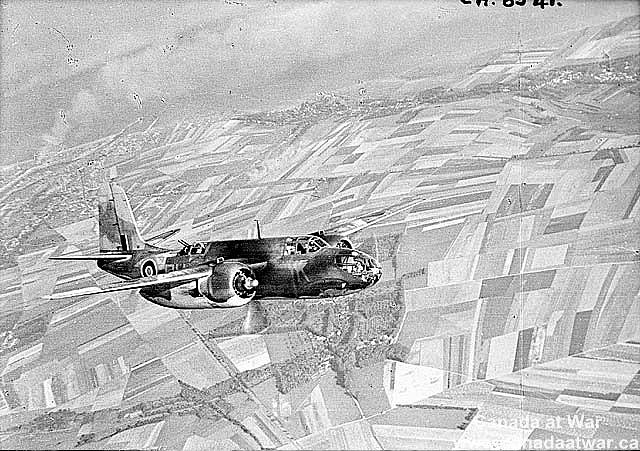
point(349, 226)
point(92, 257)
point(162, 236)
point(172, 279)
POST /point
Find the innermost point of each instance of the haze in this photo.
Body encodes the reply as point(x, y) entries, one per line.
point(73, 71)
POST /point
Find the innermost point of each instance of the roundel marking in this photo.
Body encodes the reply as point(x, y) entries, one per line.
point(148, 269)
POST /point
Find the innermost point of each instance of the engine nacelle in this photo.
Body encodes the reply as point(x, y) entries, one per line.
point(229, 285)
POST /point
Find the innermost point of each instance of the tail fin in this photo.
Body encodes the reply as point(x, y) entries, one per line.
point(118, 229)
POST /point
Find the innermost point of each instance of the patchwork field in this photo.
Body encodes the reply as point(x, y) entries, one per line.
point(505, 213)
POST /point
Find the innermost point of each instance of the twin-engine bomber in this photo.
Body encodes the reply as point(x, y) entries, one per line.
point(227, 273)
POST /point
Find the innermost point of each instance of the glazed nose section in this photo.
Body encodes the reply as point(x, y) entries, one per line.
point(363, 270)
point(372, 269)
point(375, 271)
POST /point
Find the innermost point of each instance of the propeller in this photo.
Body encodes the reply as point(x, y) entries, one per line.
point(255, 320)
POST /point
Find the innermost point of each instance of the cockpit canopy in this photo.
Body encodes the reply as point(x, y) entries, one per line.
point(306, 244)
point(196, 248)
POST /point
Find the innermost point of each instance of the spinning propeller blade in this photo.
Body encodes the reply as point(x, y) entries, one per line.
point(256, 320)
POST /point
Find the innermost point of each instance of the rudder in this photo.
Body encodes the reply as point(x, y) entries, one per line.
point(117, 225)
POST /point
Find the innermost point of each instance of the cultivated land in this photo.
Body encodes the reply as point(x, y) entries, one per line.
point(505, 211)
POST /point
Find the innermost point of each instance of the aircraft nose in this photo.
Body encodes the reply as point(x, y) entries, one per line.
point(375, 271)
point(363, 267)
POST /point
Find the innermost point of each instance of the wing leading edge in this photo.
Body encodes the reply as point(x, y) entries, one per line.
point(92, 257)
point(173, 279)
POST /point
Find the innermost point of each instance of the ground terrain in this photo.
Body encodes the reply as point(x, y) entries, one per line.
point(504, 209)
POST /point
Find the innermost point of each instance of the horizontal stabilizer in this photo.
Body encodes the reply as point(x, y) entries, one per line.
point(92, 257)
point(170, 280)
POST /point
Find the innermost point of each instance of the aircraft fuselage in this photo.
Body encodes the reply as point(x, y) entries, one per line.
point(284, 266)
